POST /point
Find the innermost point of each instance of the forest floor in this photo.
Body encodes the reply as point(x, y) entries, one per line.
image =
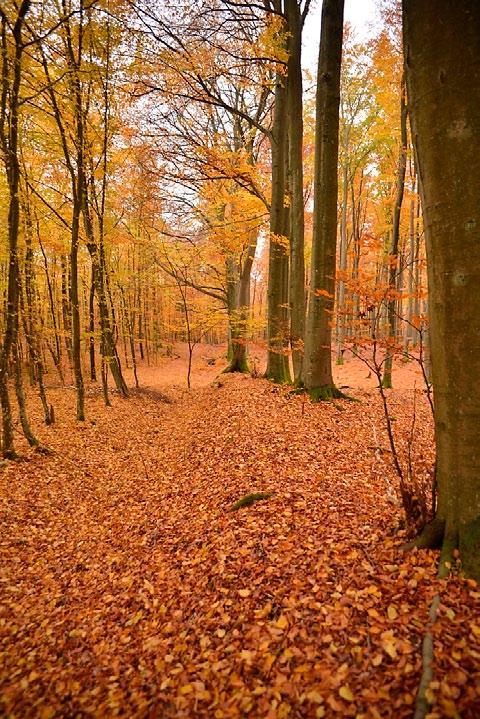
point(129, 587)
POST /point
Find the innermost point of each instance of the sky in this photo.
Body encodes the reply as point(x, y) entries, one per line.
point(361, 14)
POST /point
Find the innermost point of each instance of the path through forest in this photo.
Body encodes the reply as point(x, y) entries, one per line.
point(130, 588)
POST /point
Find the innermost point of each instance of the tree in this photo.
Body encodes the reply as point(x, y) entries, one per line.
point(318, 378)
point(11, 75)
point(394, 250)
point(294, 23)
point(217, 89)
point(442, 55)
point(278, 368)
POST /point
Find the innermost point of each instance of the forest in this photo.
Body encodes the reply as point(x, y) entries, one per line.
point(239, 359)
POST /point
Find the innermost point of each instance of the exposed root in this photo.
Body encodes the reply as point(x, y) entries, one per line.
point(431, 537)
point(278, 378)
point(326, 393)
point(463, 541)
point(43, 449)
point(241, 367)
point(11, 455)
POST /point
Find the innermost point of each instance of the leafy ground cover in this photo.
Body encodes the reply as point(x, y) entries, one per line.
point(129, 588)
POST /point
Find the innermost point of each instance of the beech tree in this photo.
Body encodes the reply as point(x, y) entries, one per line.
point(394, 249)
point(442, 56)
point(295, 18)
point(12, 51)
point(318, 378)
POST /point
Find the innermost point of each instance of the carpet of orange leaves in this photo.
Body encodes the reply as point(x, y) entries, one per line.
point(129, 588)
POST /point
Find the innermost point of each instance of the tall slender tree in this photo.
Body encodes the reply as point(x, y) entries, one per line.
point(12, 51)
point(278, 366)
point(318, 377)
point(294, 23)
point(394, 266)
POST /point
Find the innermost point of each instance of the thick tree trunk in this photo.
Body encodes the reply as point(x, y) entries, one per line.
point(295, 152)
point(78, 188)
point(442, 52)
point(238, 307)
point(318, 376)
point(278, 332)
point(10, 79)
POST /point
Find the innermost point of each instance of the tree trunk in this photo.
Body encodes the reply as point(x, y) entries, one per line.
point(129, 324)
point(278, 368)
point(11, 78)
point(238, 308)
point(109, 351)
point(91, 327)
point(57, 354)
point(442, 52)
point(409, 330)
point(66, 311)
point(75, 311)
point(32, 321)
point(140, 317)
point(19, 391)
point(294, 97)
point(394, 264)
point(343, 262)
point(78, 188)
point(318, 377)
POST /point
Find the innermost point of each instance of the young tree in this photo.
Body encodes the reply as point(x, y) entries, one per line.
point(393, 270)
point(442, 55)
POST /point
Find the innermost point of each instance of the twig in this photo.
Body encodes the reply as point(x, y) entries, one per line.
point(422, 704)
point(411, 434)
point(144, 466)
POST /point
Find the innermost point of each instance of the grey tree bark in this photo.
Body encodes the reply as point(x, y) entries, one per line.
point(294, 24)
point(442, 54)
point(318, 377)
point(278, 368)
point(11, 75)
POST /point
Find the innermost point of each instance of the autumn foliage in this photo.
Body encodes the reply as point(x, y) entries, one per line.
point(188, 529)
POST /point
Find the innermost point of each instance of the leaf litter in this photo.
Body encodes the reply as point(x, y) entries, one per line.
point(129, 588)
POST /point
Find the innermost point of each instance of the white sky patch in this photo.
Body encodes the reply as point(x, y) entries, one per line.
point(361, 14)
